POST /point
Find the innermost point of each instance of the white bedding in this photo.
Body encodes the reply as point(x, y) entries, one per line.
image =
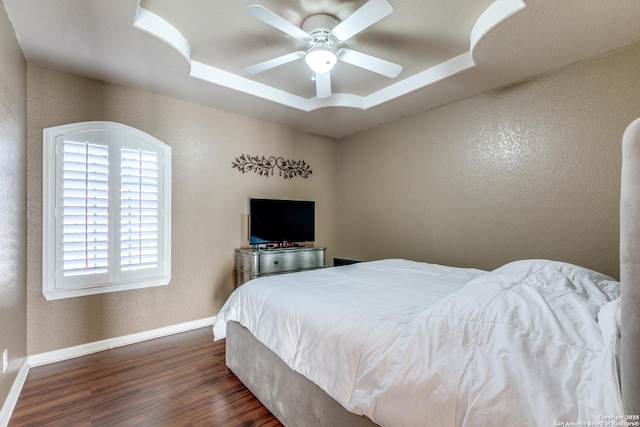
point(415, 344)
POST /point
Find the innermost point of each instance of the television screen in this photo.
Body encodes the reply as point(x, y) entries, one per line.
point(274, 221)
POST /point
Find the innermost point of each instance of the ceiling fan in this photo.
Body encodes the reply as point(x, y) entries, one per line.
point(324, 34)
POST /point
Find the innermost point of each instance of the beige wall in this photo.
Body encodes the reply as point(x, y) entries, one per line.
point(209, 203)
point(13, 304)
point(529, 171)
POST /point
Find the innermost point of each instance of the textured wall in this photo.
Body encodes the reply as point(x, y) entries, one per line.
point(529, 171)
point(13, 190)
point(209, 203)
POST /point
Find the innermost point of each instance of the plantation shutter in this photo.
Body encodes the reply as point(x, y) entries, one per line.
point(85, 209)
point(138, 210)
point(106, 223)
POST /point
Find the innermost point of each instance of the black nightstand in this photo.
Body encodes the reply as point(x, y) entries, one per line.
point(343, 261)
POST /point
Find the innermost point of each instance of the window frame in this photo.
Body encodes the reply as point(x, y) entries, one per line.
point(118, 136)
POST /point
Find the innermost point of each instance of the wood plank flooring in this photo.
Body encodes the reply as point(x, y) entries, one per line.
point(179, 380)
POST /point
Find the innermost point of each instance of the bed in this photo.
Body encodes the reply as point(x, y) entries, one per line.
point(402, 343)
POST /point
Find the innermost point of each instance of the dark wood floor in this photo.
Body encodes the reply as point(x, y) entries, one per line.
point(180, 380)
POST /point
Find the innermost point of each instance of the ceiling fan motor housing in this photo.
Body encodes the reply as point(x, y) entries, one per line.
point(319, 27)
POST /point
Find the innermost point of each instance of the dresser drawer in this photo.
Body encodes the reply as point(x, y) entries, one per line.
point(290, 261)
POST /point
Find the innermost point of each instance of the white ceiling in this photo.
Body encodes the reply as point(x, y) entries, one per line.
point(196, 50)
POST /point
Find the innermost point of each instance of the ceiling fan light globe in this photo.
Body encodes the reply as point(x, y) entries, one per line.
point(321, 59)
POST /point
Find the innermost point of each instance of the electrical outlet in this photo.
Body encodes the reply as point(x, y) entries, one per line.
point(5, 360)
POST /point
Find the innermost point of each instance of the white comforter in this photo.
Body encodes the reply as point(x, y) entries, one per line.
point(414, 344)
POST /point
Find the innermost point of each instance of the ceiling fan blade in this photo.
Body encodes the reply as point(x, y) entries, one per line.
point(269, 17)
point(323, 85)
point(369, 62)
point(275, 62)
point(368, 14)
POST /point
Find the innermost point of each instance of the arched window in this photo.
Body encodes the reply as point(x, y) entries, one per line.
point(106, 210)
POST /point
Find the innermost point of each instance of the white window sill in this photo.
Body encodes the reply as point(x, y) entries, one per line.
point(56, 294)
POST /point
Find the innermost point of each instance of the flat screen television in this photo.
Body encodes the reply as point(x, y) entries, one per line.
point(277, 221)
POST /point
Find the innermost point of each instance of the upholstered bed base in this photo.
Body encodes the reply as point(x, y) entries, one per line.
point(630, 269)
point(293, 399)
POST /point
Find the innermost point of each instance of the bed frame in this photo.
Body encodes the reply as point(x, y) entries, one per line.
point(630, 270)
point(297, 402)
point(292, 398)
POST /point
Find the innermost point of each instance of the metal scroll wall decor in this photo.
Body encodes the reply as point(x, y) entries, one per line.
point(264, 166)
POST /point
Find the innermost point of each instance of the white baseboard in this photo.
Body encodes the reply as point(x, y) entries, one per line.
point(14, 393)
point(94, 347)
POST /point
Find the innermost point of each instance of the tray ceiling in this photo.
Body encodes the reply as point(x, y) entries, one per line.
point(196, 50)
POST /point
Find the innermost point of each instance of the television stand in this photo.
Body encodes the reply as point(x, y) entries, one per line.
point(251, 263)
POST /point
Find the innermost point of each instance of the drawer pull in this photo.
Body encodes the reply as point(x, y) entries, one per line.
point(275, 262)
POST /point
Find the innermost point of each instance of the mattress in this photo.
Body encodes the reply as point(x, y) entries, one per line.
point(410, 344)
